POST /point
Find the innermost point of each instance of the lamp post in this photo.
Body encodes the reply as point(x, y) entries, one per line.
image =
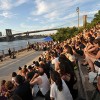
point(77, 9)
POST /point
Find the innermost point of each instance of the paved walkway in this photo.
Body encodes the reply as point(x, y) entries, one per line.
point(10, 65)
point(18, 55)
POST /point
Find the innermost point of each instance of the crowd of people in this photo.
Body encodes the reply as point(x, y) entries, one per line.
point(53, 75)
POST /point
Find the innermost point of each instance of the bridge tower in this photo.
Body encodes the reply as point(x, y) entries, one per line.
point(27, 34)
point(0, 33)
point(9, 36)
point(84, 20)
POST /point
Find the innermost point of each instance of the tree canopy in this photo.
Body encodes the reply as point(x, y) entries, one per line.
point(64, 33)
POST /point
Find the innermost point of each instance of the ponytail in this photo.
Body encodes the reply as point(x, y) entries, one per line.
point(56, 78)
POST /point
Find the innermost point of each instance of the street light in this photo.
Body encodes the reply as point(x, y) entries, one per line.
point(77, 9)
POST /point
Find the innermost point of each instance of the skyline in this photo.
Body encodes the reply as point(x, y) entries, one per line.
point(29, 15)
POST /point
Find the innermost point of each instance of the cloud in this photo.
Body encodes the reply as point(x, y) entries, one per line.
point(37, 27)
point(33, 19)
point(9, 4)
point(26, 26)
point(72, 15)
point(48, 6)
point(88, 13)
point(52, 15)
point(98, 4)
point(2, 22)
point(42, 7)
point(5, 5)
point(7, 14)
point(52, 9)
point(20, 2)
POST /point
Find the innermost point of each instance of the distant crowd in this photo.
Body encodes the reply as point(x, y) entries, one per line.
point(53, 76)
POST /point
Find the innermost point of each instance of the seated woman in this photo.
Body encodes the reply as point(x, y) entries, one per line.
point(42, 81)
point(68, 76)
point(59, 90)
point(3, 89)
point(69, 53)
point(10, 89)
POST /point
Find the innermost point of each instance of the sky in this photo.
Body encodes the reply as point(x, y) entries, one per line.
point(29, 15)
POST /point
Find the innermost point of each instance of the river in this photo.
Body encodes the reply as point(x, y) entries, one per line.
point(17, 45)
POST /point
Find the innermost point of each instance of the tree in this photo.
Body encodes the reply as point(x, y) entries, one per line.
point(64, 33)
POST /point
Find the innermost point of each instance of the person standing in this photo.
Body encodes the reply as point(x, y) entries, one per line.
point(9, 52)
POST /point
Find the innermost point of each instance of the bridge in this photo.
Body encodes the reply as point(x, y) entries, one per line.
point(10, 36)
point(28, 32)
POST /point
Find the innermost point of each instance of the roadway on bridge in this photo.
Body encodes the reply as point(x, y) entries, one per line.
point(10, 66)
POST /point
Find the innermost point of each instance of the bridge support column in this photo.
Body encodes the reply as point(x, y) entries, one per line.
point(9, 36)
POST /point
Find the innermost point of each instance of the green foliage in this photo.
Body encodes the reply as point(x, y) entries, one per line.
point(96, 18)
point(65, 33)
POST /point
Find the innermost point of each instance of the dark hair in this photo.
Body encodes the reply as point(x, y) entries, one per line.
point(37, 63)
point(19, 79)
point(25, 66)
point(69, 49)
point(66, 63)
point(30, 67)
point(62, 57)
point(55, 76)
point(54, 54)
point(3, 82)
point(14, 74)
point(9, 85)
point(15, 97)
point(64, 68)
point(39, 59)
point(43, 67)
point(20, 68)
point(33, 62)
point(91, 39)
point(97, 41)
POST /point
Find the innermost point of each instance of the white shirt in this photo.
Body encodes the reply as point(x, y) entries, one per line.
point(70, 57)
point(55, 62)
point(45, 86)
point(60, 95)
